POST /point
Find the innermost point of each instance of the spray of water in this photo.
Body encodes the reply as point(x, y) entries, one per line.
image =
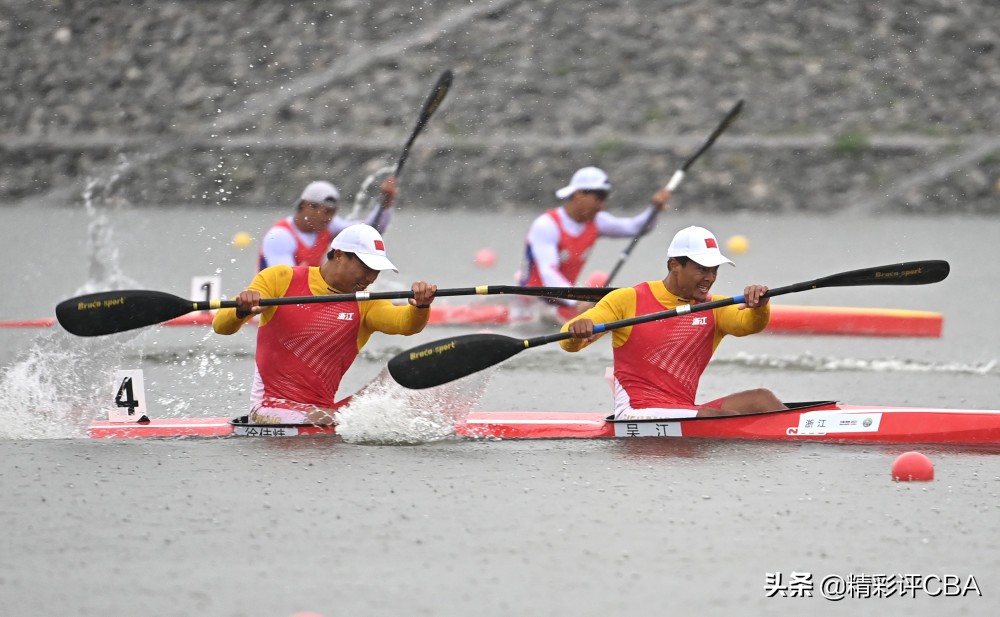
point(367, 196)
point(99, 198)
point(59, 384)
point(384, 412)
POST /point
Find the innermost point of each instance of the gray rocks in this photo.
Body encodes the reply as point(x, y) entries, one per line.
point(873, 106)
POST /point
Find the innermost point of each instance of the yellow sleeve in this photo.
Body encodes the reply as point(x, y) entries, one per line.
point(384, 316)
point(271, 282)
point(731, 320)
point(617, 305)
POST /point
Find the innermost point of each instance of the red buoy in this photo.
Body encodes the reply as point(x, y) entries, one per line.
point(912, 466)
point(485, 258)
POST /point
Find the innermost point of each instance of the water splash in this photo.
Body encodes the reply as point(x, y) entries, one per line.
point(60, 383)
point(99, 196)
point(57, 386)
point(385, 413)
point(207, 381)
point(368, 197)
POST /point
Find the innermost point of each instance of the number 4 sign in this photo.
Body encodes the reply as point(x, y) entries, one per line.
point(129, 399)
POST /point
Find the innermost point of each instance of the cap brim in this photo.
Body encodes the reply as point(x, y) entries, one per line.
point(376, 262)
point(565, 192)
point(710, 260)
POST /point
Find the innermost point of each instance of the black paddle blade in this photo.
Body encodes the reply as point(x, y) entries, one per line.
point(726, 122)
point(906, 273)
point(437, 95)
point(439, 362)
point(430, 106)
point(108, 312)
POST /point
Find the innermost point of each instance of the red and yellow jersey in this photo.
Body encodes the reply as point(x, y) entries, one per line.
point(303, 350)
point(660, 363)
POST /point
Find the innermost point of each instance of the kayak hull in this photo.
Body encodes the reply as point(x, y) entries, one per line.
point(814, 421)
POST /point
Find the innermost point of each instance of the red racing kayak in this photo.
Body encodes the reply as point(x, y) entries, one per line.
point(825, 421)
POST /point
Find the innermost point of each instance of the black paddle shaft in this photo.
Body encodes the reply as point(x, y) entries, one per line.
point(674, 182)
point(445, 360)
point(108, 312)
point(430, 106)
point(906, 273)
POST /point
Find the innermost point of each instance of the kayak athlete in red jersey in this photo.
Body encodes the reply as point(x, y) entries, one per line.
point(303, 350)
point(658, 364)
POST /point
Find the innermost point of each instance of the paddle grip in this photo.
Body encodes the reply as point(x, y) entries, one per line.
point(675, 180)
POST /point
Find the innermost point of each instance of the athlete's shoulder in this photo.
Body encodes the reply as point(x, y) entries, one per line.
point(284, 224)
point(279, 270)
point(543, 225)
point(546, 218)
point(621, 296)
point(274, 278)
point(281, 230)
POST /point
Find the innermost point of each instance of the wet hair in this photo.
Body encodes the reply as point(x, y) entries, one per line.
point(682, 260)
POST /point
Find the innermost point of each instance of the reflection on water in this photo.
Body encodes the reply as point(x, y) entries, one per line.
point(664, 448)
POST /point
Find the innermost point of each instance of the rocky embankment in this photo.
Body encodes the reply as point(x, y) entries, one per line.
point(873, 107)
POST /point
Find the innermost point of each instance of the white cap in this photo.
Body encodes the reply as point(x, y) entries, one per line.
point(366, 243)
point(320, 192)
point(699, 245)
point(585, 179)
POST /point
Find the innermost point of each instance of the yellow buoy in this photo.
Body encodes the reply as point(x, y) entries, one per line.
point(242, 239)
point(737, 244)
